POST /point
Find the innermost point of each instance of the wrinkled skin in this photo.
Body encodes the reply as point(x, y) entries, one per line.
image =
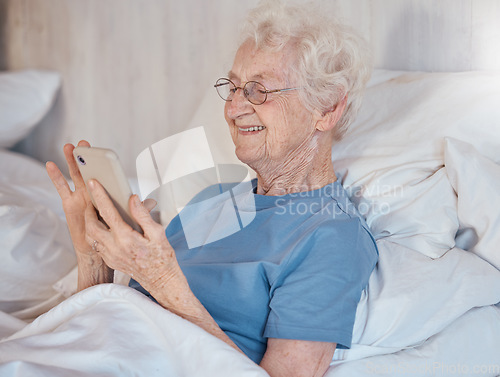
point(293, 152)
point(83, 224)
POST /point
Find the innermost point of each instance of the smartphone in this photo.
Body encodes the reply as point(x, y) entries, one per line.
point(104, 166)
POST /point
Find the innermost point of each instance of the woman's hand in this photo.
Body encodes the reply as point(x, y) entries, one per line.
point(147, 257)
point(91, 268)
point(75, 202)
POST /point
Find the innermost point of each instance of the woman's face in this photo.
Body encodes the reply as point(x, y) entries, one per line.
point(282, 127)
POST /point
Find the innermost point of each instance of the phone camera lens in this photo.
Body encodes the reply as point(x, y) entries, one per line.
point(81, 160)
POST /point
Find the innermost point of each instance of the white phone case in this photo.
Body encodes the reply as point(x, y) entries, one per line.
point(103, 165)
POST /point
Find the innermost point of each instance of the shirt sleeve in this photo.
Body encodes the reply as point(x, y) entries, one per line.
point(315, 296)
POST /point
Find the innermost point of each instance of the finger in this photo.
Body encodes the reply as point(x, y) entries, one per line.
point(58, 180)
point(95, 230)
point(141, 215)
point(83, 143)
point(149, 204)
point(106, 208)
point(74, 172)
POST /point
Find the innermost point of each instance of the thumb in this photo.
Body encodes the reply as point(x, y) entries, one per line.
point(149, 204)
point(141, 215)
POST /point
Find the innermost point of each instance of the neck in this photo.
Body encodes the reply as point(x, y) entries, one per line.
point(308, 170)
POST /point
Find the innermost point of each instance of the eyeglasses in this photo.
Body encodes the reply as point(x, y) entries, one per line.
point(254, 91)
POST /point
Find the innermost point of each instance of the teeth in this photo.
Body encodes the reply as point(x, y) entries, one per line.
point(250, 129)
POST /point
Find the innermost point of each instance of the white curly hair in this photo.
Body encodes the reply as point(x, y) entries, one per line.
point(332, 60)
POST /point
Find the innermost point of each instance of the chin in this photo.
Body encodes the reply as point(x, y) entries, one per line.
point(247, 156)
point(243, 155)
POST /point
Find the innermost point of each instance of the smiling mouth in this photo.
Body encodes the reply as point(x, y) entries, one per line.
point(251, 129)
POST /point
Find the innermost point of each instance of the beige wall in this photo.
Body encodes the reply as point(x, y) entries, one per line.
point(134, 71)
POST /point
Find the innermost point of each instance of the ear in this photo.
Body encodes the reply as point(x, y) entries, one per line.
point(328, 120)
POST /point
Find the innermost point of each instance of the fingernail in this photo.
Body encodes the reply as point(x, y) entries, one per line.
point(91, 183)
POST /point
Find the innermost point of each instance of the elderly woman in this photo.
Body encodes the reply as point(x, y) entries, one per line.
point(284, 289)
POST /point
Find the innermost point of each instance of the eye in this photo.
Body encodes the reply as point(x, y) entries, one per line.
point(225, 88)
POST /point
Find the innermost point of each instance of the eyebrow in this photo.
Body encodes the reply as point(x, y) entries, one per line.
point(260, 76)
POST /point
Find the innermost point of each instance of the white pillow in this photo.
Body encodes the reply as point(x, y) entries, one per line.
point(25, 98)
point(476, 179)
point(391, 159)
point(411, 297)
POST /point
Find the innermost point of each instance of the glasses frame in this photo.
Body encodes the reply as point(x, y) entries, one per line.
point(245, 92)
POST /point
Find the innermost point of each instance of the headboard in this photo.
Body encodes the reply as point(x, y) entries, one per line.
point(134, 72)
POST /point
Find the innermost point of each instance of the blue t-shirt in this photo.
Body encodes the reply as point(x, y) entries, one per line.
point(295, 270)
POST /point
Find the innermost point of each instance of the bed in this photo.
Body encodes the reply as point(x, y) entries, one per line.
point(421, 163)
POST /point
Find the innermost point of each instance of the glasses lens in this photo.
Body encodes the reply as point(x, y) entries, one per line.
point(225, 89)
point(255, 92)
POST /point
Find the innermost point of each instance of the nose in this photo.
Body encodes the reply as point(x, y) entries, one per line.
point(239, 105)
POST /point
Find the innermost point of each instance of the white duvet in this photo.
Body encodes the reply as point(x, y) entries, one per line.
point(112, 330)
